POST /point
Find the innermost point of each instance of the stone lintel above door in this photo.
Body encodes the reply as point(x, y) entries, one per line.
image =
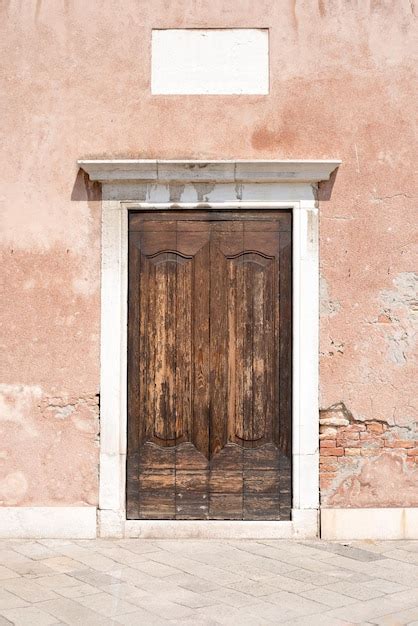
point(208, 171)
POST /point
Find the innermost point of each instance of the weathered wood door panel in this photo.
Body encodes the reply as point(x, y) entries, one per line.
point(209, 365)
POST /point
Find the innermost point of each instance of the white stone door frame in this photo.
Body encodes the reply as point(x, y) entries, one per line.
point(156, 185)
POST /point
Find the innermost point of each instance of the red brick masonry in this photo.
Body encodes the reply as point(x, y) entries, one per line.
point(344, 444)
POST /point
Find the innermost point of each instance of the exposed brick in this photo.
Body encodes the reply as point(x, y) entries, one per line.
point(375, 427)
point(334, 421)
point(327, 443)
point(352, 451)
point(412, 452)
point(369, 451)
point(326, 479)
point(400, 443)
point(348, 443)
point(349, 434)
point(332, 451)
point(353, 428)
point(348, 459)
point(325, 436)
point(372, 443)
point(327, 431)
point(326, 460)
point(330, 467)
point(367, 436)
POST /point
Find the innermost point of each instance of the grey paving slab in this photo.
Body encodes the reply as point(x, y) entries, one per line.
point(10, 600)
point(351, 552)
point(297, 603)
point(61, 565)
point(328, 597)
point(207, 583)
point(226, 614)
point(401, 617)
point(77, 590)
point(107, 604)
point(28, 590)
point(193, 583)
point(34, 550)
point(6, 573)
point(232, 597)
point(141, 617)
point(386, 586)
point(356, 590)
point(27, 616)
point(71, 612)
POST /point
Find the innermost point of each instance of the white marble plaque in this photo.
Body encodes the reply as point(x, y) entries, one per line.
point(210, 61)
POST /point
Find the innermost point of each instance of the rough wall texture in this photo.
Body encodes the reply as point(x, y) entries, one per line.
point(76, 84)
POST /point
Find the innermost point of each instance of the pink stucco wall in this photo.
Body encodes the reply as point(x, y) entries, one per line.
point(75, 82)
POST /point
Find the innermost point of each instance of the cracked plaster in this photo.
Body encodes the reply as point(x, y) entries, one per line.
point(93, 100)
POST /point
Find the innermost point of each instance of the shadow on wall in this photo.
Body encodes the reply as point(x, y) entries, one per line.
point(325, 188)
point(85, 190)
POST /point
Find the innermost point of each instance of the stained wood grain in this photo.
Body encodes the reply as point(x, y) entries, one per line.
point(209, 365)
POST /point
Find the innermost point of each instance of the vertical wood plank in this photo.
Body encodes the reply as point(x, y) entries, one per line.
point(218, 347)
point(134, 402)
point(201, 341)
point(261, 307)
point(183, 348)
point(285, 346)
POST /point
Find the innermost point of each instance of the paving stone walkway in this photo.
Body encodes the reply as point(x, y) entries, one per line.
point(148, 583)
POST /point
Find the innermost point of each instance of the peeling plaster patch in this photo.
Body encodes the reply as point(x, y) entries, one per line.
point(367, 462)
point(17, 403)
point(60, 466)
point(13, 488)
point(64, 411)
point(328, 307)
point(398, 346)
point(339, 415)
point(386, 481)
point(335, 347)
point(400, 316)
point(83, 411)
point(336, 415)
point(405, 295)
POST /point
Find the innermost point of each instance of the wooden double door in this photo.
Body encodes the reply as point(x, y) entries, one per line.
point(209, 365)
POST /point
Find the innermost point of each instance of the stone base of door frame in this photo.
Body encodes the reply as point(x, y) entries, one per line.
point(86, 522)
point(379, 523)
point(304, 525)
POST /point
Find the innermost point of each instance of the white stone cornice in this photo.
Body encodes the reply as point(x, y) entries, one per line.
point(195, 171)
